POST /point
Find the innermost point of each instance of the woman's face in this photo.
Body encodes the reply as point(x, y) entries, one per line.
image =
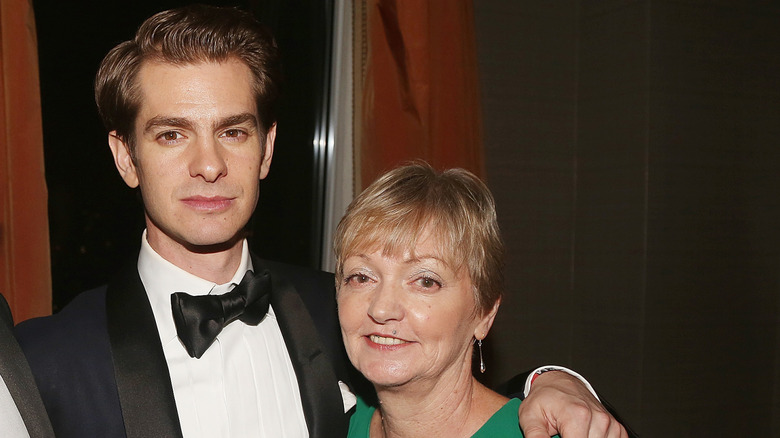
point(409, 317)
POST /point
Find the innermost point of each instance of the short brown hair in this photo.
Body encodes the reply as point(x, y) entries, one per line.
point(394, 211)
point(187, 35)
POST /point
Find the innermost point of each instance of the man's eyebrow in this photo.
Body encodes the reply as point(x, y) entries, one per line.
point(175, 122)
point(181, 122)
point(237, 120)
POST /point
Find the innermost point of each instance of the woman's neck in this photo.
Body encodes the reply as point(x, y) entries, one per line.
point(453, 407)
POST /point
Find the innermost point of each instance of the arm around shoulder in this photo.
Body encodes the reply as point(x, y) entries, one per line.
point(563, 402)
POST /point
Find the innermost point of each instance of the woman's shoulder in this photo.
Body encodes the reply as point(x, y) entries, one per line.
point(503, 424)
point(360, 421)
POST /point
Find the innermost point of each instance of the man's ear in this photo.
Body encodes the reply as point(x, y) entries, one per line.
point(123, 159)
point(486, 321)
point(268, 153)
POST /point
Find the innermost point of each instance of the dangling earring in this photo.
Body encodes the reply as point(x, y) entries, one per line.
point(481, 360)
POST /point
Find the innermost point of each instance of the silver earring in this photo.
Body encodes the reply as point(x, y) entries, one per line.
point(481, 360)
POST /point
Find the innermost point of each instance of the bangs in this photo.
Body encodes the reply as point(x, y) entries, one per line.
point(396, 230)
point(414, 202)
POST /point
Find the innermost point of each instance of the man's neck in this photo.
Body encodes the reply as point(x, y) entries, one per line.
point(215, 264)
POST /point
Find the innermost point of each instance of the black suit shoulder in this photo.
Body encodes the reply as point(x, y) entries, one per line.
point(70, 357)
point(83, 316)
point(67, 338)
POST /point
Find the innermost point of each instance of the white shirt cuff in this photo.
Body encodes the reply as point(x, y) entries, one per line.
point(546, 368)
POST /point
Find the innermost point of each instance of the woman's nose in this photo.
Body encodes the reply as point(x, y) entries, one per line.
point(385, 304)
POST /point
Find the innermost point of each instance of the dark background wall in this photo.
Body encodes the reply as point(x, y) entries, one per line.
point(633, 150)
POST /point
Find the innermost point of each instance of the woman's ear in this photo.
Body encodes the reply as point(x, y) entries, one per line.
point(486, 321)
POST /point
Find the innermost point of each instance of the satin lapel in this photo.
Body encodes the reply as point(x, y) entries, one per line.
point(142, 378)
point(21, 384)
point(320, 394)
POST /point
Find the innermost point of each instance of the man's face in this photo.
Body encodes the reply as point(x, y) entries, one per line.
point(199, 154)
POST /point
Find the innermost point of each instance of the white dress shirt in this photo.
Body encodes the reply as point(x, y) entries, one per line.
point(544, 369)
point(11, 423)
point(244, 385)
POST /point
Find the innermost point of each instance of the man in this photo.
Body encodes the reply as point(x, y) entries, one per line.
point(21, 411)
point(189, 106)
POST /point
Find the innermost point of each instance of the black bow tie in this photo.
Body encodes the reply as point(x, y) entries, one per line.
point(199, 319)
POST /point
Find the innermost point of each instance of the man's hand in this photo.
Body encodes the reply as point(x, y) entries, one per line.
point(559, 403)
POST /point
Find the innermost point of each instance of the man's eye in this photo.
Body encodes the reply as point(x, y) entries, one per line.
point(169, 136)
point(234, 134)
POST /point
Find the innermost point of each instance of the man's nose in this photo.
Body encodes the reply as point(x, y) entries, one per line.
point(207, 160)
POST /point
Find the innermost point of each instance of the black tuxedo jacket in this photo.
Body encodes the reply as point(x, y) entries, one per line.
point(101, 371)
point(17, 377)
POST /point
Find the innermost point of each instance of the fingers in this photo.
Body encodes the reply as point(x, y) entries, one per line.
point(536, 433)
point(561, 404)
point(577, 421)
point(603, 424)
point(590, 422)
point(600, 424)
point(616, 430)
point(535, 424)
point(613, 429)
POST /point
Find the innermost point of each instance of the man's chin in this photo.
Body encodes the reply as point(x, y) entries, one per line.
point(203, 238)
point(207, 245)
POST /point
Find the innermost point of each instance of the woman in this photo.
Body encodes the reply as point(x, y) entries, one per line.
point(419, 280)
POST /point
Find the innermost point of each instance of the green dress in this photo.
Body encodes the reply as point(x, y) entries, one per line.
point(503, 424)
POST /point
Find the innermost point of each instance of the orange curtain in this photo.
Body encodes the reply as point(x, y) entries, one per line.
point(25, 273)
point(420, 89)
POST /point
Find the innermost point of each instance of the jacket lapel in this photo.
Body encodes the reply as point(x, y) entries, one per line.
point(317, 382)
point(19, 380)
point(143, 380)
point(142, 377)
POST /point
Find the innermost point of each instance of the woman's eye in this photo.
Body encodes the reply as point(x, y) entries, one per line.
point(428, 283)
point(357, 278)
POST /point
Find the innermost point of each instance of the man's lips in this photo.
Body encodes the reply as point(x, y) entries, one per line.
point(208, 203)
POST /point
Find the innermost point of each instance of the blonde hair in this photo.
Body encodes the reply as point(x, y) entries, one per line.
point(394, 211)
